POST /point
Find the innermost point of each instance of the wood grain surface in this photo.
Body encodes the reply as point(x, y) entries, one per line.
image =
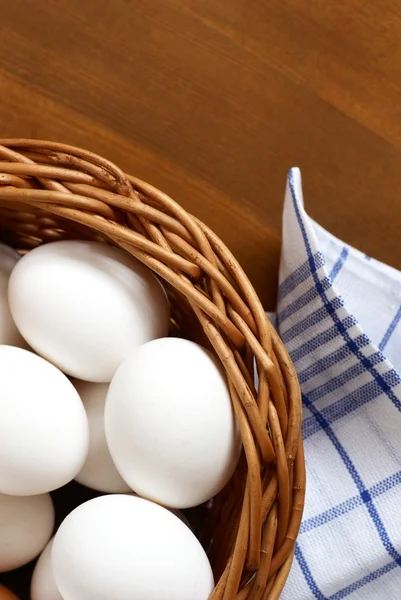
point(213, 101)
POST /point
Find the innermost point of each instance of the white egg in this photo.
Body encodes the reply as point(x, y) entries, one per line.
point(26, 524)
point(178, 513)
point(43, 585)
point(44, 434)
point(9, 333)
point(124, 547)
point(98, 472)
point(86, 306)
point(170, 425)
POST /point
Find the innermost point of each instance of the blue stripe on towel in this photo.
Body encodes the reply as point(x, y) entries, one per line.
point(339, 263)
point(390, 330)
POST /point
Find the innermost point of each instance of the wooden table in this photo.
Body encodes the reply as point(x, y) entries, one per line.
point(213, 101)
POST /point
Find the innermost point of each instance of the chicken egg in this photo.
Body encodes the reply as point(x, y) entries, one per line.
point(43, 586)
point(26, 524)
point(85, 306)
point(9, 333)
point(44, 432)
point(169, 423)
point(125, 547)
point(98, 472)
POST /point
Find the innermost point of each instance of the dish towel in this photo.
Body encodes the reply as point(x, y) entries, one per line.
point(339, 314)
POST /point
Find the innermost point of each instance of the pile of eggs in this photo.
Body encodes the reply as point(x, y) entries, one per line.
point(93, 389)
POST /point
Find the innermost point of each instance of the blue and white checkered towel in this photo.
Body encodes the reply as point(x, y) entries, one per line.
point(339, 314)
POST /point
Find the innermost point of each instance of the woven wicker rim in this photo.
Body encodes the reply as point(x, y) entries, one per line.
point(51, 191)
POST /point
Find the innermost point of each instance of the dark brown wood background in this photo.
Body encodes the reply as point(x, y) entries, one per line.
point(213, 100)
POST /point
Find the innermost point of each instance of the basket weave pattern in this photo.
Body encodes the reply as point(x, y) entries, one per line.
point(50, 191)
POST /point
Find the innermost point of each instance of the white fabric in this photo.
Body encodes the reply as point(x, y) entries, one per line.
point(339, 314)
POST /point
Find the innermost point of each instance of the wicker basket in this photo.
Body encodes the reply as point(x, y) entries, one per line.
point(50, 191)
